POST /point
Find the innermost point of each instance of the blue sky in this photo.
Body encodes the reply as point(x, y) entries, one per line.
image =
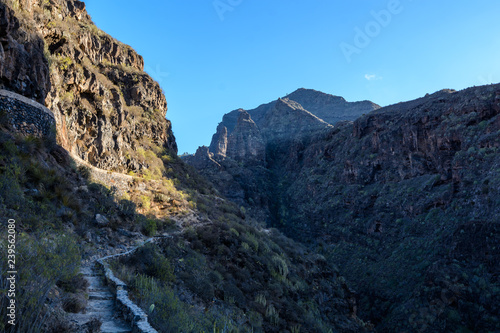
point(211, 57)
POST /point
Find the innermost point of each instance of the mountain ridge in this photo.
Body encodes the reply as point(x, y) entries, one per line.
point(390, 196)
point(271, 116)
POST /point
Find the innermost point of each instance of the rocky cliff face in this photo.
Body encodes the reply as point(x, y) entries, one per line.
point(288, 119)
point(329, 108)
point(394, 197)
point(245, 143)
point(395, 194)
point(299, 114)
point(219, 141)
point(106, 107)
point(23, 67)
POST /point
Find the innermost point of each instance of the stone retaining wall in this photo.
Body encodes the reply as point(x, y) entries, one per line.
point(134, 315)
point(27, 116)
point(120, 181)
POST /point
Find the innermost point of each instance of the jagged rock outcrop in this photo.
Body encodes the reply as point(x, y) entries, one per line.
point(23, 66)
point(329, 108)
point(203, 159)
point(245, 143)
point(298, 114)
point(106, 107)
point(219, 141)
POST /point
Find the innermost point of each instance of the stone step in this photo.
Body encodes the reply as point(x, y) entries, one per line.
point(100, 305)
point(101, 295)
point(114, 327)
point(99, 291)
point(107, 326)
point(87, 270)
point(97, 288)
point(95, 280)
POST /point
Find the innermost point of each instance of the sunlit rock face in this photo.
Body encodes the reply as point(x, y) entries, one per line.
point(105, 105)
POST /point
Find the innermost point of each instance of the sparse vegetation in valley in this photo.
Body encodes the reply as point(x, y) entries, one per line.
point(396, 212)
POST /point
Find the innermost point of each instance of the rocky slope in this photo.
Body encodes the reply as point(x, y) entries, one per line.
point(218, 269)
point(404, 199)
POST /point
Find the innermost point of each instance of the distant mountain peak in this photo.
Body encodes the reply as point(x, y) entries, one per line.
point(299, 113)
point(305, 92)
point(288, 103)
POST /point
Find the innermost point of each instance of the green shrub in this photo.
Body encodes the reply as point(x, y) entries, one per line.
point(170, 314)
point(161, 198)
point(46, 258)
point(149, 228)
point(255, 319)
point(73, 284)
point(278, 267)
point(145, 202)
point(84, 171)
point(154, 263)
point(141, 152)
point(64, 63)
point(127, 209)
point(31, 144)
point(74, 303)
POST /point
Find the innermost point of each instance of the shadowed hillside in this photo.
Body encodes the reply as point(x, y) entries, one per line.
point(404, 199)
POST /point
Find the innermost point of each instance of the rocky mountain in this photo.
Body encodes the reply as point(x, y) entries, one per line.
point(105, 176)
point(297, 114)
point(244, 137)
point(403, 198)
point(398, 194)
point(329, 108)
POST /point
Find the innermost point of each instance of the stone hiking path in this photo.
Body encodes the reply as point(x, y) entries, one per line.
point(101, 304)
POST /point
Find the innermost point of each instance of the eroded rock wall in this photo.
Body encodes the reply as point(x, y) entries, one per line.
point(106, 107)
